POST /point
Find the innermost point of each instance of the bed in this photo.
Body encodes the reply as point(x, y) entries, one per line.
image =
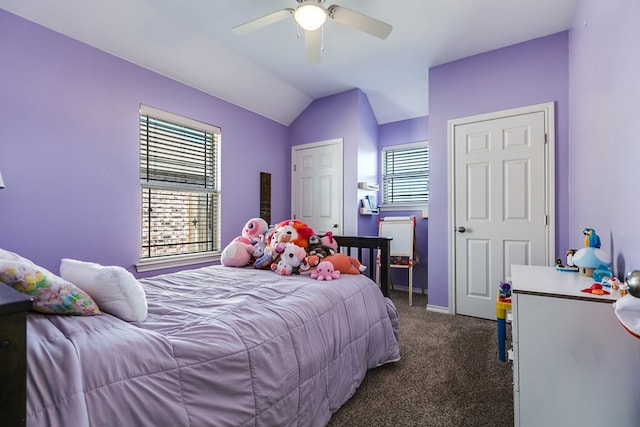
point(220, 346)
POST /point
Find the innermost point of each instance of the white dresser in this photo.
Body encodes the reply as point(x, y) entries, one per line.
point(573, 362)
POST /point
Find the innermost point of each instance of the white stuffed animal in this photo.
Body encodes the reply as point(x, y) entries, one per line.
point(290, 260)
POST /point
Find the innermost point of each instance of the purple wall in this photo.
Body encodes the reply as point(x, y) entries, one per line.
point(368, 162)
point(525, 74)
point(604, 94)
point(345, 115)
point(349, 115)
point(402, 132)
point(69, 148)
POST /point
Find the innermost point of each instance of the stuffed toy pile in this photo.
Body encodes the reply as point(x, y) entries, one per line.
point(290, 247)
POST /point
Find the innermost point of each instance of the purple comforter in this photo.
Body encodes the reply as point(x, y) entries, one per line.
point(221, 347)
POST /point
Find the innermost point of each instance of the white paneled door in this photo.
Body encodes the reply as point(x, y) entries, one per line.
point(501, 208)
point(316, 185)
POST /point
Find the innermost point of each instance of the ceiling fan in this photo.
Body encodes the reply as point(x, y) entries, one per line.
point(310, 15)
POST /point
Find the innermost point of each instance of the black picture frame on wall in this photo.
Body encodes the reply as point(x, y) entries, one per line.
point(265, 196)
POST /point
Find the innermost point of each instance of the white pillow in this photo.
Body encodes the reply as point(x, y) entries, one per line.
point(114, 289)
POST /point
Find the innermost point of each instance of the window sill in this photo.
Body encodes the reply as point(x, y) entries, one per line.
point(160, 263)
point(424, 209)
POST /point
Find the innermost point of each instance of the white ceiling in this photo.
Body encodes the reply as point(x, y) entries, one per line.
point(265, 71)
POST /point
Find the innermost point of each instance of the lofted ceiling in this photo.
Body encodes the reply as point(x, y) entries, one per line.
point(265, 71)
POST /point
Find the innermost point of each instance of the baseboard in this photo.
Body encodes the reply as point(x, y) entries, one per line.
point(434, 308)
point(438, 309)
point(417, 290)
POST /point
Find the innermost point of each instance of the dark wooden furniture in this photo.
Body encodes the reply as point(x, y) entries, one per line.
point(13, 356)
point(368, 245)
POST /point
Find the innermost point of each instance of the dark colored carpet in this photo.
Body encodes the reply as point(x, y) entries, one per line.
point(448, 375)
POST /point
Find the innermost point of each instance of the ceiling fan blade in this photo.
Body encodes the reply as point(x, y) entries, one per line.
point(313, 45)
point(263, 21)
point(359, 21)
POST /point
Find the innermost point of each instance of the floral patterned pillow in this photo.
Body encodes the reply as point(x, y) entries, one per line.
point(50, 293)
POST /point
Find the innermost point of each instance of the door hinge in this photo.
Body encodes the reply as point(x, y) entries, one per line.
point(546, 220)
point(294, 167)
point(546, 138)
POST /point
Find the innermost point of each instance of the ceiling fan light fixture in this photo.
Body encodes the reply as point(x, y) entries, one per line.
point(310, 15)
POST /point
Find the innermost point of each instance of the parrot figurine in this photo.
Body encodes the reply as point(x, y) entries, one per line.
point(591, 239)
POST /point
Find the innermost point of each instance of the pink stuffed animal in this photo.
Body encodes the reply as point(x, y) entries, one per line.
point(238, 253)
point(325, 271)
point(290, 260)
point(327, 240)
point(254, 230)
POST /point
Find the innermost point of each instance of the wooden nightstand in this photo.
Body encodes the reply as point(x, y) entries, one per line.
point(13, 355)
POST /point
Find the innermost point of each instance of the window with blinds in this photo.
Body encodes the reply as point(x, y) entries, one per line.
point(179, 183)
point(405, 174)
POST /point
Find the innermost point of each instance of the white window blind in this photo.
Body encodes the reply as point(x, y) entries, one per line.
point(405, 174)
point(179, 181)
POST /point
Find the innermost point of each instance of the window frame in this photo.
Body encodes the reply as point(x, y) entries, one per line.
point(424, 207)
point(179, 260)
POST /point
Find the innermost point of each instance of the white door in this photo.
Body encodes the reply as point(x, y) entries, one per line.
point(501, 203)
point(316, 185)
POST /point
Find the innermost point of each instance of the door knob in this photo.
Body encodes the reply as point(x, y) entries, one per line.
point(461, 229)
point(334, 225)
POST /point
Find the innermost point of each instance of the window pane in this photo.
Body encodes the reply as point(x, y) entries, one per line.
point(177, 154)
point(177, 222)
point(405, 175)
point(405, 190)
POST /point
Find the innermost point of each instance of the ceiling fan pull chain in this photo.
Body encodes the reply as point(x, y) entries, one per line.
point(297, 28)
